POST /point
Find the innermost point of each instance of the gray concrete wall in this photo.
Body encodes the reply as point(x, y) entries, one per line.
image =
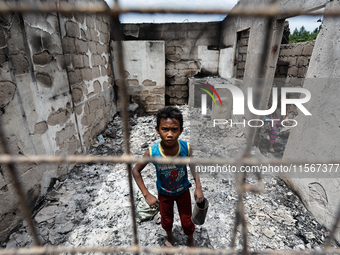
point(55, 96)
point(190, 49)
point(144, 72)
point(292, 66)
point(316, 135)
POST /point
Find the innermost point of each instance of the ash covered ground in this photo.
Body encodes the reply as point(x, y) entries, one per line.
point(91, 207)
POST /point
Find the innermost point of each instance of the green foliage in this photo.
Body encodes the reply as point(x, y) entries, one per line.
point(303, 35)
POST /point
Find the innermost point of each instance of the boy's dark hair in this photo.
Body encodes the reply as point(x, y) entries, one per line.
point(169, 112)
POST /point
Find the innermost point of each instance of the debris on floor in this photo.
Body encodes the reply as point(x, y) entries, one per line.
point(92, 206)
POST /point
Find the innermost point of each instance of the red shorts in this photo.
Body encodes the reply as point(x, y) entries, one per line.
point(166, 206)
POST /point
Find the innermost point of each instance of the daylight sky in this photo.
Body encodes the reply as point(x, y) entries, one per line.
point(310, 22)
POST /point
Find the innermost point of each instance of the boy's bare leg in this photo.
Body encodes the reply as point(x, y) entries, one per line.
point(170, 239)
point(190, 241)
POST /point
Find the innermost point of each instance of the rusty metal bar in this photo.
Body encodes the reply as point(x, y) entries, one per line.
point(104, 9)
point(334, 229)
point(124, 99)
point(6, 159)
point(154, 250)
point(18, 188)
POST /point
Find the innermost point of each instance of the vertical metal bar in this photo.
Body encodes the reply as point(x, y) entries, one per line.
point(18, 187)
point(333, 230)
point(259, 84)
point(125, 113)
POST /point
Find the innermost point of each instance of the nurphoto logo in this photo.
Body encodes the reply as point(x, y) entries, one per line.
point(239, 103)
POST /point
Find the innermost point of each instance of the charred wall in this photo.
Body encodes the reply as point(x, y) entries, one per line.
point(191, 49)
point(55, 95)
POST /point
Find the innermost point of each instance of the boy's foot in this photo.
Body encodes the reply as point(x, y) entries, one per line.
point(271, 150)
point(170, 239)
point(190, 241)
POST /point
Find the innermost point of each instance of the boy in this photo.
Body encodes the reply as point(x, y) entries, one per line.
point(172, 180)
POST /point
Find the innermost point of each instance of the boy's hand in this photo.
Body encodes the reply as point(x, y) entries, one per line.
point(199, 197)
point(152, 200)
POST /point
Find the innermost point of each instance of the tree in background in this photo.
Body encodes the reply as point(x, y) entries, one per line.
point(303, 35)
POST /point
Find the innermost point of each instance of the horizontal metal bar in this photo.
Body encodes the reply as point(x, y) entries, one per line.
point(162, 160)
point(168, 250)
point(102, 8)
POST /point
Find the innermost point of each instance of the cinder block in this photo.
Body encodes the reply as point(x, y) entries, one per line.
point(77, 95)
point(105, 71)
point(241, 65)
point(243, 49)
point(181, 65)
point(302, 61)
point(244, 42)
point(158, 91)
point(75, 76)
point(87, 74)
point(149, 83)
point(308, 50)
point(302, 72)
point(170, 93)
point(104, 38)
point(177, 80)
point(42, 58)
point(97, 87)
point(77, 61)
point(185, 72)
point(180, 94)
point(95, 72)
point(285, 52)
point(184, 87)
point(94, 105)
point(150, 99)
point(90, 23)
point(94, 35)
point(239, 73)
point(81, 46)
point(93, 47)
point(174, 58)
point(68, 45)
point(170, 72)
point(293, 71)
point(72, 29)
point(297, 50)
point(105, 85)
point(195, 65)
point(96, 60)
point(170, 50)
point(133, 82)
point(86, 61)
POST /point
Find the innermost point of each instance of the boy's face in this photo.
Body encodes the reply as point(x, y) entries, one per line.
point(169, 129)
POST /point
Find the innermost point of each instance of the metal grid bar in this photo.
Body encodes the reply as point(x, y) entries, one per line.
point(125, 114)
point(271, 12)
point(5, 159)
point(103, 9)
point(154, 250)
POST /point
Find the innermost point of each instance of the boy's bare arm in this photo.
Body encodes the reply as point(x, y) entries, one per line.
point(150, 199)
point(198, 194)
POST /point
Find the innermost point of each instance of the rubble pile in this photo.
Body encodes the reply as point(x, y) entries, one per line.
point(92, 206)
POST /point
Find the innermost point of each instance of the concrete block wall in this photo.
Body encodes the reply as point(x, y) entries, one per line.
point(85, 40)
point(292, 67)
point(54, 74)
point(191, 49)
point(144, 63)
point(243, 39)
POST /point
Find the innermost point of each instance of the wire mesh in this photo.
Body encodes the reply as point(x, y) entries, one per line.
point(270, 14)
